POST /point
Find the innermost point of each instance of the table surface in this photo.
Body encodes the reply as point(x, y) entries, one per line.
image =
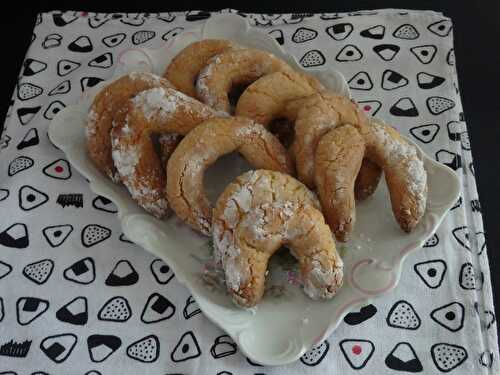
point(476, 49)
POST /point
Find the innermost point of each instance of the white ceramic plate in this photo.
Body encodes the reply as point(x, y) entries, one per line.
point(372, 258)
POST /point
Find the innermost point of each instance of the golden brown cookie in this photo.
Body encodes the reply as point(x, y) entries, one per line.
point(201, 147)
point(231, 69)
point(403, 170)
point(257, 214)
point(337, 162)
point(314, 116)
point(160, 112)
point(104, 107)
point(265, 99)
point(183, 70)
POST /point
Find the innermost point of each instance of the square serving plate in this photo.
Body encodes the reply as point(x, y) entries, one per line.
point(374, 254)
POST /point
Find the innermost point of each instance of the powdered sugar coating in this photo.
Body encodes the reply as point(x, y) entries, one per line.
point(93, 117)
point(202, 89)
point(399, 153)
point(234, 67)
point(126, 158)
point(319, 275)
point(90, 129)
point(107, 104)
point(254, 209)
point(162, 103)
point(147, 77)
point(156, 104)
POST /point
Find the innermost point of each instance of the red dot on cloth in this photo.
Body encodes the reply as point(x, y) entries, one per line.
point(58, 169)
point(356, 349)
point(367, 107)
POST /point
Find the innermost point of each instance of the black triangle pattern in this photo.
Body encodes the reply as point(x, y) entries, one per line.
point(177, 30)
point(114, 40)
point(63, 88)
point(361, 81)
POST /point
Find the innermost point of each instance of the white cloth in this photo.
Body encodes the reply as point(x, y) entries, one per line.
point(398, 63)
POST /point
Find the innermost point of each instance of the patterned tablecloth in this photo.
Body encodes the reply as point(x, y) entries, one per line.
point(76, 297)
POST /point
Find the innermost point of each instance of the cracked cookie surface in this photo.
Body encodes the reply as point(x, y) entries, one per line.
point(266, 98)
point(313, 112)
point(231, 69)
point(258, 213)
point(336, 168)
point(158, 111)
point(403, 170)
point(103, 110)
point(314, 116)
point(185, 67)
point(201, 148)
point(337, 162)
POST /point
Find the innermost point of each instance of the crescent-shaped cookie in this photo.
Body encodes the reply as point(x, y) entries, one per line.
point(266, 98)
point(337, 162)
point(185, 67)
point(103, 109)
point(257, 214)
point(159, 111)
point(404, 173)
point(231, 69)
point(314, 116)
point(201, 147)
